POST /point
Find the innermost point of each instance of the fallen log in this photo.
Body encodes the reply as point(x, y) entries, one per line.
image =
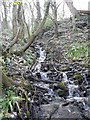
point(8, 82)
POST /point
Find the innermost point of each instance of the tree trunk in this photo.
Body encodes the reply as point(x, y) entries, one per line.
point(0, 82)
point(8, 82)
point(54, 10)
point(14, 21)
point(38, 11)
point(20, 20)
point(5, 23)
point(73, 11)
point(36, 33)
point(32, 18)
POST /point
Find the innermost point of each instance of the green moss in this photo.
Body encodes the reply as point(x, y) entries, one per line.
point(77, 76)
point(61, 85)
point(61, 92)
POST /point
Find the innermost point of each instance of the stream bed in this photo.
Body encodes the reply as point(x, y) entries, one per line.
point(60, 94)
point(55, 92)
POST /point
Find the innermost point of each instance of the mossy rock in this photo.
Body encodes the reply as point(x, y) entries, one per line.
point(65, 68)
point(61, 85)
point(62, 93)
point(77, 76)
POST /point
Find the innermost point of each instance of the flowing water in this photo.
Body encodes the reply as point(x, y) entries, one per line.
point(73, 90)
point(74, 93)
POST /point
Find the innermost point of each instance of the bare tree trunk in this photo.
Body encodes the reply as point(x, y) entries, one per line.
point(14, 21)
point(73, 11)
point(8, 82)
point(5, 23)
point(32, 18)
point(20, 20)
point(38, 18)
point(54, 10)
point(38, 11)
point(0, 79)
point(27, 27)
point(36, 33)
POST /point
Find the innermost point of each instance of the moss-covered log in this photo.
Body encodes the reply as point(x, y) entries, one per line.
point(8, 82)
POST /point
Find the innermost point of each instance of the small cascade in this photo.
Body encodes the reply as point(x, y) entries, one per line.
point(65, 78)
point(42, 56)
point(74, 91)
point(44, 76)
point(52, 93)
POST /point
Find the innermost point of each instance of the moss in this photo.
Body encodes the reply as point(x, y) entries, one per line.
point(61, 85)
point(62, 93)
point(77, 76)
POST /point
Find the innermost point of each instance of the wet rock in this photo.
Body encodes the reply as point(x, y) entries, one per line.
point(45, 67)
point(81, 24)
point(56, 110)
point(88, 100)
point(88, 92)
point(87, 115)
point(65, 68)
point(61, 85)
point(78, 77)
point(62, 93)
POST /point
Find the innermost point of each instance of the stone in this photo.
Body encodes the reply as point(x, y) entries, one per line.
point(55, 110)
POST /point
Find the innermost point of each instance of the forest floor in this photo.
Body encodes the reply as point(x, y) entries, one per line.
point(57, 70)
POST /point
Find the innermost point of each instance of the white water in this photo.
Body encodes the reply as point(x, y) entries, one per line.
point(74, 89)
point(42, 57)
point(65, 78)
point(71, 86)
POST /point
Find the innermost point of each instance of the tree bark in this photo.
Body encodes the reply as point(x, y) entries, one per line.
point(38, 11)
point(54, 10)
point(5, 14)
point(20, 20)
point(32, 18)
point(17, 15)
point(14, 21)
point(8, 82)
point(73, 10)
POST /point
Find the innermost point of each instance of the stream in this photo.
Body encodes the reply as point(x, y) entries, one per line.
point(66, 92)
point(73, 89)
